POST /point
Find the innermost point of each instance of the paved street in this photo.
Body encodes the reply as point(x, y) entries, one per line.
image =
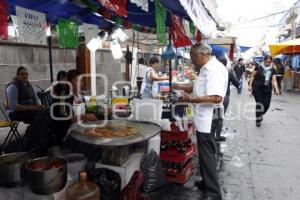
point(263, 163)
point(259, 163)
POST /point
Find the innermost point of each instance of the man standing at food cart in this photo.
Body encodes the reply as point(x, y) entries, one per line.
point(209, 89)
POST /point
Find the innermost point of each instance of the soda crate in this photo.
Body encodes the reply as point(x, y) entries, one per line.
point(172, 155)
point(181, 176)
point(176, 135)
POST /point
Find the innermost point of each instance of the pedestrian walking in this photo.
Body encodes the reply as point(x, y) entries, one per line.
point(261, 82)
point(239, 70)
point(279, 68)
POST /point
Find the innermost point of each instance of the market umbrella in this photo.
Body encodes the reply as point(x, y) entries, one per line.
point(288, 47)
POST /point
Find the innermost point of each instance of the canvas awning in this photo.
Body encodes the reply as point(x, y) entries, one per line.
point(288, 47)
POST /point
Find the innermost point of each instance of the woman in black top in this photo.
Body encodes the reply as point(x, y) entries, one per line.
point(262, 80)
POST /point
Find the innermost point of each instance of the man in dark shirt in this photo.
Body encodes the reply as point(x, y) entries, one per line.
point(239, 70)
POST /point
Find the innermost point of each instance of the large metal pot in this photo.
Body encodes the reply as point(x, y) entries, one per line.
point(12, 170)
point(47, 175)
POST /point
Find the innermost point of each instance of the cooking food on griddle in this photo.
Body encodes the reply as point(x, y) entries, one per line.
point(113, 131)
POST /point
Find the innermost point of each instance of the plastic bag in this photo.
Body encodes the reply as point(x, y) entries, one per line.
point(153, 172)
point(132, 189)
point(109, 182)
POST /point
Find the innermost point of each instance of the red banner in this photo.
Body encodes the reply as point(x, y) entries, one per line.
point(179, 37)
point(3, 20)
point(198, 36)
point(117, 6)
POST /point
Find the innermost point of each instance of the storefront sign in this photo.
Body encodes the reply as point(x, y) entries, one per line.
point(30, 26)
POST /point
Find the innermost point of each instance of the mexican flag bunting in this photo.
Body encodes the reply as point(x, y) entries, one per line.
point(67, 33)
point(160, 17)
point(117, 6)
point(179, 37)
point(192, 29)
point(198, 36)
point(3, 20)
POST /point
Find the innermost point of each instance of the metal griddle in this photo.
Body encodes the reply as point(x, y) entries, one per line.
point(147, 130)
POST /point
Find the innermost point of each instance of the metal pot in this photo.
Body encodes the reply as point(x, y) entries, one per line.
point(12, 171)
point(47, 175)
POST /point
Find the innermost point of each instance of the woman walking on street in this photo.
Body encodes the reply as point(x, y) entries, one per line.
point(279, 68)
point(262, 80)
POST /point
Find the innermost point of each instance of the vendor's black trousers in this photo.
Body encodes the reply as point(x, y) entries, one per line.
point(263, 100)
point(207, 164)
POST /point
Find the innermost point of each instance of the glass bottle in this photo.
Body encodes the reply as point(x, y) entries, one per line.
point(83, 190)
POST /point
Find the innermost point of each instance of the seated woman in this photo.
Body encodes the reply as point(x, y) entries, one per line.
point(61, 109)
point(23, 103)
point(59, 118)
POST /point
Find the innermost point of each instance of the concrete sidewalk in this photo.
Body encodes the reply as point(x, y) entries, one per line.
point(263, 163)
point(259, 163)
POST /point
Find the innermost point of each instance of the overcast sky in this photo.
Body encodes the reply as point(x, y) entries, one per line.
point(238, 12)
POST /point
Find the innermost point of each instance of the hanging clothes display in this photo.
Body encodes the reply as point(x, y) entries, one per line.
point(160, 17)
point(117, 6)
point(179, 37)
point(67, 33)
point(30, 26)
point(3, 20)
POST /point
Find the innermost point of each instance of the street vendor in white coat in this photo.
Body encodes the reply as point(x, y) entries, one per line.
point(209, 89)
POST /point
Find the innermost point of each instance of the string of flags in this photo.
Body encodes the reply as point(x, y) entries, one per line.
point(31, 25)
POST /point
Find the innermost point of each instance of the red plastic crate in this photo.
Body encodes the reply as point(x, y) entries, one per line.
point(176, 135)
point(182, 176)
point(173, 155)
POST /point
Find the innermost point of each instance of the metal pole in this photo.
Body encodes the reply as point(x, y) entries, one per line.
point(50, 57)
point(293, 17)
point(170, 74)
point(170, 66)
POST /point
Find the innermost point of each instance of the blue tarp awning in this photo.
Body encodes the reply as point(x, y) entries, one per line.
point(218, 50)
point(138, 16)
point(55, 9)
point(244, 48)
